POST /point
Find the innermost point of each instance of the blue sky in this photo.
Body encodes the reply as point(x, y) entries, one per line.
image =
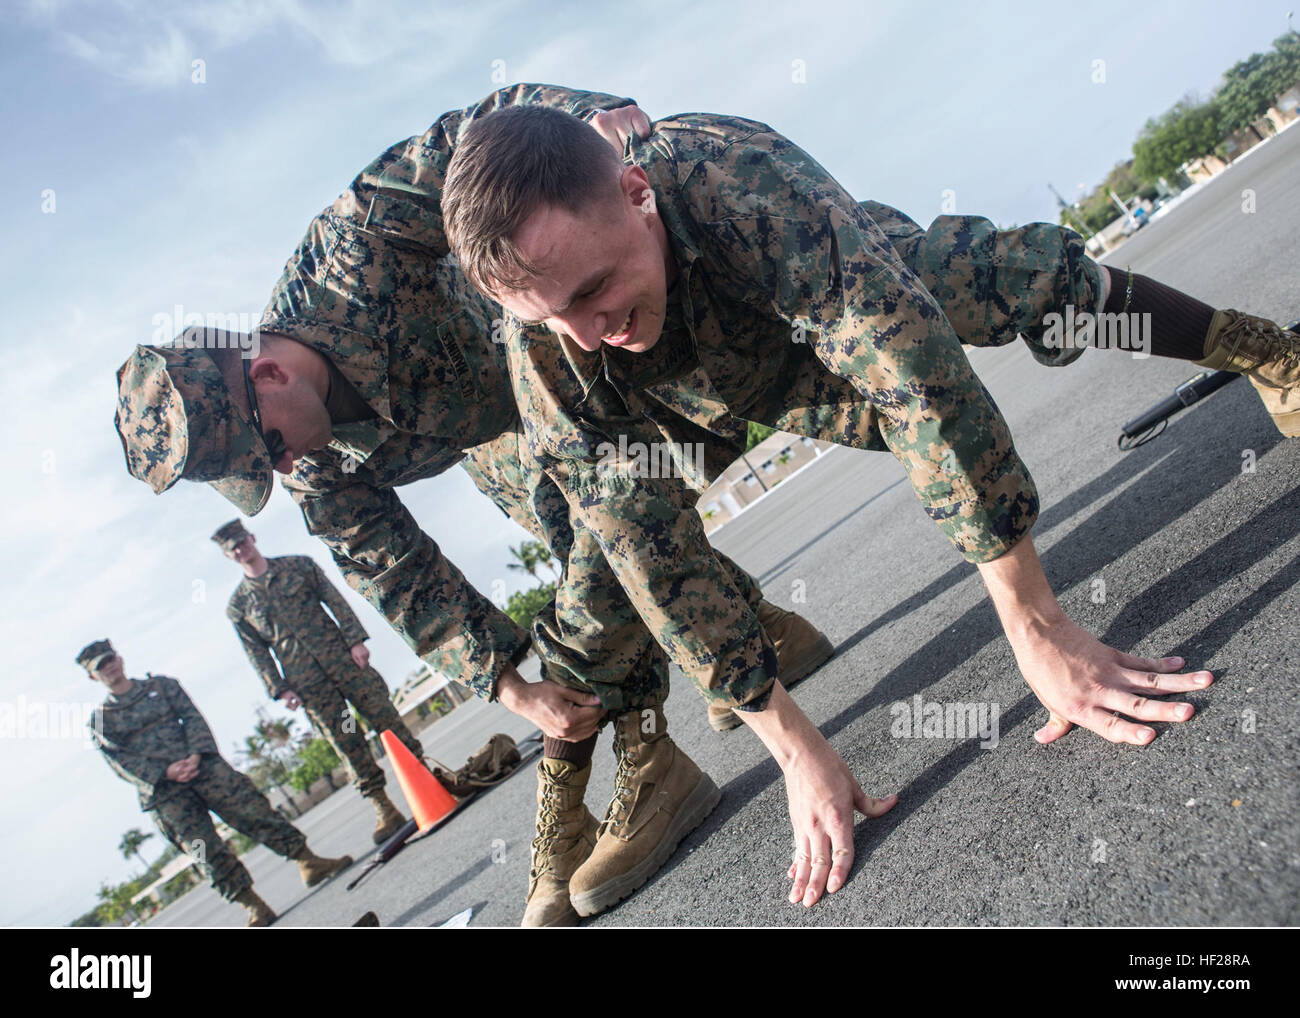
point(167, 191)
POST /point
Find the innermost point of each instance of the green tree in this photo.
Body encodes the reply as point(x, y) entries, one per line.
point(316, 759)
point(1186, 130)
point(526, 556)
point(1098, 209)
point(756, 433)
point(130, 845)
point(115, 902)
point(266, 754)
point(531, 554)
point(1250, 86)
point(524, 604)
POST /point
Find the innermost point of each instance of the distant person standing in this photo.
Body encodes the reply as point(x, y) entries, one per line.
point(323, 662)
point(154, 737)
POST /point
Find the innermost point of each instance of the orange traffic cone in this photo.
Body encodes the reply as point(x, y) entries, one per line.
point(428, 800)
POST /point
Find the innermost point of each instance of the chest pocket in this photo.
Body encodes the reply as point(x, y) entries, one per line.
point(146, 717)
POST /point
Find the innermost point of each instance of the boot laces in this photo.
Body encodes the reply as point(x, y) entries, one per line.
point(619, 803)
point(1283, 345)
point(548, 828)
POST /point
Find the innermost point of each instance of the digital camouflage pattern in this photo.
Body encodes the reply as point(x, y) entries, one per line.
point(372, 289)
point(154, 725)
point(795, 308)
point(176, 419)
point(146, 730)
point(183, 817)
point(280, 613)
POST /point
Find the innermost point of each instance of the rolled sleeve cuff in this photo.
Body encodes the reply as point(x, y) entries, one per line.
point(478, 663)
point(986, 524)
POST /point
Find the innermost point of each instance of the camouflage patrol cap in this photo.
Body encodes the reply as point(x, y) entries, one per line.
point(95, 654)
point(230, 535)
point(176, 418)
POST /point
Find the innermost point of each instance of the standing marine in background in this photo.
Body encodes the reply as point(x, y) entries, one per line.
point(153, 736)
point(324, 662)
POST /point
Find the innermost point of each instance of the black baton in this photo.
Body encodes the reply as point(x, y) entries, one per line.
point(1150, 424)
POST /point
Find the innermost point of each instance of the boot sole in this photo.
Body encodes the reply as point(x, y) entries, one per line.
point(347, 861)
point(1288, 423)
point(808, 662)
point(383, 834)
point(698, 805)
point(567, 919)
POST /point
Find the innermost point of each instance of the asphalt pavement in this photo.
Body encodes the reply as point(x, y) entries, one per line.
point(1189, 545)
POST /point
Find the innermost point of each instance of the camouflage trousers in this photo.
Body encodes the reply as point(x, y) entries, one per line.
point(994, 285)
point(182, 816)
point(326, 700)
point(617, 658)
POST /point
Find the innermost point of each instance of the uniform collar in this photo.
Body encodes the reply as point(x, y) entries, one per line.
point(129, 697)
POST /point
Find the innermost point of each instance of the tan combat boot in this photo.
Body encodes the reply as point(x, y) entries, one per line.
point(259, 912)
point(801, 648)
point(566, 834)
point(660, 796)
point(1264, 352)
point(390, 820)
point(314, 868)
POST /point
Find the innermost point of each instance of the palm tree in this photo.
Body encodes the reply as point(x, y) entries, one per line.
point(545, 558)
point(532, 554)
point(130, 845)
point(262, 752)
point(526, 553)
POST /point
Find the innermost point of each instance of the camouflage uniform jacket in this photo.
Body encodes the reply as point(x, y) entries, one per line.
point(372, 288)
point(281, 612)
point(792, 309)
point(147, 730)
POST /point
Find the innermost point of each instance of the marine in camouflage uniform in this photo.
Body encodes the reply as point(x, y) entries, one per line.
point(793, 305)
point(153, 736)
point(278, 616)
point(417, 383)
point(799, 308)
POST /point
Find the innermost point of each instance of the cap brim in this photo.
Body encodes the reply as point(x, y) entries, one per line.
point(94, 665)
point(248, 492)
point(247, 472)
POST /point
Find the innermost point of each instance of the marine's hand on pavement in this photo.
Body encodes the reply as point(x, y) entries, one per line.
point(823, 796)
point(1081, 681)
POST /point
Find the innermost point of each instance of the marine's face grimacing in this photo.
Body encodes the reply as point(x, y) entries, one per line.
point(603, 274)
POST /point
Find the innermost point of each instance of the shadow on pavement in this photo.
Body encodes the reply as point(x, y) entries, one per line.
point(1179, 477)
point(450, 887)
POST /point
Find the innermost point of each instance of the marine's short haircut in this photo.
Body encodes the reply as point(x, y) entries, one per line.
point(508, 165)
